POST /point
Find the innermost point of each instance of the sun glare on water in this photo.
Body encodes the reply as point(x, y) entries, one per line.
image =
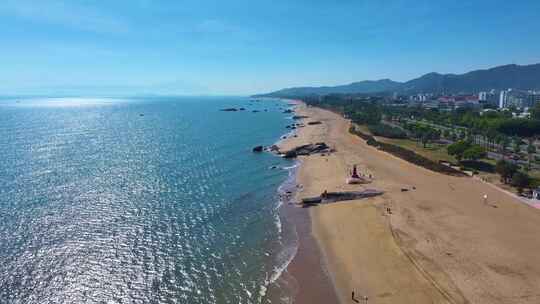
point(64, 102)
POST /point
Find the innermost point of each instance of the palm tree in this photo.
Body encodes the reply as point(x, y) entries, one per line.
point(498, 141)
point(492, 136)
point(504, 144)
point(516, 147)
point(531, 149)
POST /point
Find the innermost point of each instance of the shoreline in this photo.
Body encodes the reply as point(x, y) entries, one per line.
point(439, 244)
point(306, 276)
point(307, 268)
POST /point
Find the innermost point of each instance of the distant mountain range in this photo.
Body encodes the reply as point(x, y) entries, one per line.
point(523, 77)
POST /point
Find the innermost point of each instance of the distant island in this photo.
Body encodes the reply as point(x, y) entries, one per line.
point(523, 77)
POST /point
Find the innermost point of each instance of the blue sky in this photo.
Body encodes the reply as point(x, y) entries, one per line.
point(244, 47)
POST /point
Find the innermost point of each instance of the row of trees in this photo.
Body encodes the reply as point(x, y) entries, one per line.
point(387, 131)
point(466, 150)
point(495, 131)
point(510, 174)
point(491, 126)
point(423, 133)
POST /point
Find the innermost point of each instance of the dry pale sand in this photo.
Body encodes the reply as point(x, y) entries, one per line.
point(441, 244)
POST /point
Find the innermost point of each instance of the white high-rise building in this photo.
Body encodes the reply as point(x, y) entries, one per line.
point(503, 99)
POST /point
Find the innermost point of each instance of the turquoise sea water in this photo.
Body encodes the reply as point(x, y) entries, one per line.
point(145, 200)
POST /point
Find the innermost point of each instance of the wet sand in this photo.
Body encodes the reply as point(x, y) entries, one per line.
point(440, 244)
point(313, 285)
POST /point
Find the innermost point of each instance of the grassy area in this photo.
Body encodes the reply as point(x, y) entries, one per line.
point(534, 174)
point(480, 166)
point(364, 129)
point(534, 178)
point(435, 152)
point(406, 154)
point(490, 161)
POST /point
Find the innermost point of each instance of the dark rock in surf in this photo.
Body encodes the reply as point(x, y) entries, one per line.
point(308, 150)
point(273, 148)
point(290, 154)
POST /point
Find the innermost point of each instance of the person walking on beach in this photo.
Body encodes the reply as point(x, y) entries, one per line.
point(353, 298)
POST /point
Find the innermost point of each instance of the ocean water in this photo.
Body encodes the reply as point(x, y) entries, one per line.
point(140, 200)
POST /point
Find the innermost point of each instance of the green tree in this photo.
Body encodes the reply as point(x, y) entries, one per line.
point(505, 169)
point(516, 145)
point(520, 180)
point(535, 112)
point(474, 152)
point(446, 134)
point(425, 138)
point(504, 144)
point(457, 149)
point(491, 135)
point(531, 149)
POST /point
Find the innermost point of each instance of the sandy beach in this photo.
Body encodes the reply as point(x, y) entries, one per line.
point(440, 244)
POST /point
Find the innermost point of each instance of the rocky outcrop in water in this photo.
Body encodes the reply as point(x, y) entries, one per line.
point(290, 154)
point(273, 148)
point(294, 126)
point(308, 150)
point(233, 109)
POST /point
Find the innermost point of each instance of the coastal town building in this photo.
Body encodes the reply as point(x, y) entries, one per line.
point(483, 96)
point(490, 98)
point(533, 98)
point(515, 98)
point(503, 99)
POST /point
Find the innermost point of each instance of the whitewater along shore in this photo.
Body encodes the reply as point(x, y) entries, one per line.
point(437, 242)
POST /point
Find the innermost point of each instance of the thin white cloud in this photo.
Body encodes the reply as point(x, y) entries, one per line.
point(63, 13)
